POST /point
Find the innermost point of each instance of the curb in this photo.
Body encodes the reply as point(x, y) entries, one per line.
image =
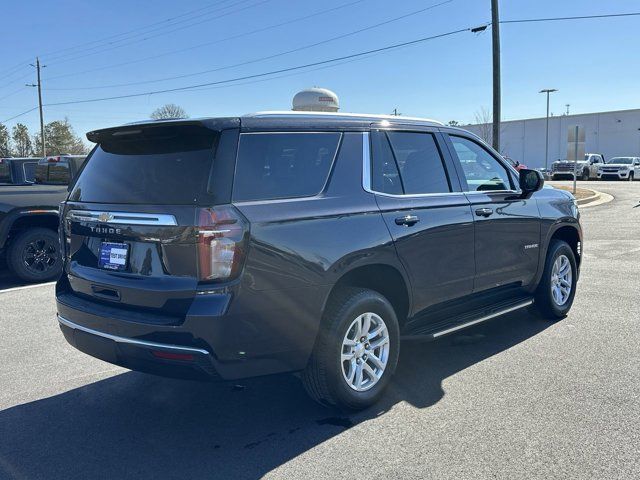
point(598, 198)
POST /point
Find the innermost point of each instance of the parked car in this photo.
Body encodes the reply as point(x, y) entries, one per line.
point(17, 171)
point(302, 242)
point(29, 215)
point(620, 168)
point(515, 163)
point(586, 169)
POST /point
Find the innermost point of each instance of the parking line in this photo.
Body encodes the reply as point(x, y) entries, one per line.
point(24, 287)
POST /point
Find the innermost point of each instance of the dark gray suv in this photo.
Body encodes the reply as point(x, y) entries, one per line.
point(302, 242)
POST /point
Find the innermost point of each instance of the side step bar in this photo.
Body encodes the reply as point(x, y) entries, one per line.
point(438, 329)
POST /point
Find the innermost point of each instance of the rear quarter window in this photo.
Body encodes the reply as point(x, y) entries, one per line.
point(283, 165)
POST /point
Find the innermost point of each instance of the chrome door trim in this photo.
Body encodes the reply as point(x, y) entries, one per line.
point(122, 218)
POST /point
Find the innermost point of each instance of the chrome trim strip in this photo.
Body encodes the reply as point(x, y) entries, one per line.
point(131, 341)
point(123, 218)
point(482, 319)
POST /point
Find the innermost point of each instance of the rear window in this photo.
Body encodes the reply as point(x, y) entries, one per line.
point(283, 165)
point(161, 165)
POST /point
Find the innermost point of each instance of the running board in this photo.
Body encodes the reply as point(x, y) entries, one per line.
point(445, 326)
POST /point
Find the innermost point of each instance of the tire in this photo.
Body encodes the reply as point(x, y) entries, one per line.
point(34, 255)
point(585, 176)
point(545, 302)
point(631, 176)
point(325, 377)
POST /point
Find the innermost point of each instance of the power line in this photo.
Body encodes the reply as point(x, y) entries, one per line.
point(193, 47)
point(272, 72)
point(26, 63)
point(83, 45)
point(20, 114)
point(269, 57)
point(130, 41)
point(582, 17)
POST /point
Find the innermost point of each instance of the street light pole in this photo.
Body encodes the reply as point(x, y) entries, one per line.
point(495, 40)
point(546, 151)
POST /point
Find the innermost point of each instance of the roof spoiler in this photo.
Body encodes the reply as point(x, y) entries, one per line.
point(151, 128)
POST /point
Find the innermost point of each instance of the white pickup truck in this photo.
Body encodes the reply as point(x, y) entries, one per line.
point(620, 168)
point(584, 169)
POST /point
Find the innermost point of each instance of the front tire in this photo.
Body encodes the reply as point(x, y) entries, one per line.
point(585, 176)
point(356, 351)
point(557, 288)
point(34, 255)
point(631, 177)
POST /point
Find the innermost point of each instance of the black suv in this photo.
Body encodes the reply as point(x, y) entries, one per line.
point(302, 242)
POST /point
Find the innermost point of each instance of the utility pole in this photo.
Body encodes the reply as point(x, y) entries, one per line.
point(39, 85)
point(495, 38)
point(395, 112)
point(568, 105)
point(546, 148)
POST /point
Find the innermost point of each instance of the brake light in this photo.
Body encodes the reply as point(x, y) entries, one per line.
point(53, 159)
point(222, 237)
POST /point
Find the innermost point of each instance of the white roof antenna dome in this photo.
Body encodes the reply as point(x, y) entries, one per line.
point(316, 100)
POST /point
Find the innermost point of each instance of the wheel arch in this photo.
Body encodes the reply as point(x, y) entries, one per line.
point(20, 221)
point(386, 279)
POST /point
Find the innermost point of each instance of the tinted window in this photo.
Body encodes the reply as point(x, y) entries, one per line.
point(52, 173)
point(420, 163)
point(385, 177)
point(161, 166)
point(481, 170)
point(283, 165)
point(5, 172)
point(29, 169)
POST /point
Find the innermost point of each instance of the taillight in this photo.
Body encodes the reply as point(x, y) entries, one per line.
point(53, 159)
point(222, 237)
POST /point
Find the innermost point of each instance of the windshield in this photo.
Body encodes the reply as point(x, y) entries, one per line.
point(621, 160)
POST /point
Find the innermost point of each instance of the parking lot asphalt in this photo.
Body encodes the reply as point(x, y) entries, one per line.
point(517, 397)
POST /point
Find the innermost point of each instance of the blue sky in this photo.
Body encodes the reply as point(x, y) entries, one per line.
point(593, 63)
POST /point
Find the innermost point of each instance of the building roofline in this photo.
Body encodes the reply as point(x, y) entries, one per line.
point(556, 116)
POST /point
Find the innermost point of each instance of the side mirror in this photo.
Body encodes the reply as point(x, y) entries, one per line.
point(530, 182)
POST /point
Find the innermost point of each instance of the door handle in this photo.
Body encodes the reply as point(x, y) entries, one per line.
point(407, 220)
point(484, 212)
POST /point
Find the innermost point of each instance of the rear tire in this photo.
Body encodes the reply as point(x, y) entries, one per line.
point(34, 255)
point(556, 291)
point(331, 376)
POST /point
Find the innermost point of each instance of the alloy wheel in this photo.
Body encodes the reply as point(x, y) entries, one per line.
point(561, 280)
point(40, 255)
point(365, 351)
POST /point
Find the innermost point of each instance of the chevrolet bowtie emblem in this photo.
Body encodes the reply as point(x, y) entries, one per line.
point(105, 217)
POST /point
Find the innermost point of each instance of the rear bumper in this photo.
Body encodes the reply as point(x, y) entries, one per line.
point(225, 339)
point(151, 357)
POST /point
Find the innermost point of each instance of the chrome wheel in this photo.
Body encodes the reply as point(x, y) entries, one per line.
point(561, 280)
point(365, 351)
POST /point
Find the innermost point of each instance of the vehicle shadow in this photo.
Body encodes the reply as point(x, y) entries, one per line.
point(134, 425)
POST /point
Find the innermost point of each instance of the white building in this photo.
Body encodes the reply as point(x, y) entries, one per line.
point(610, 133)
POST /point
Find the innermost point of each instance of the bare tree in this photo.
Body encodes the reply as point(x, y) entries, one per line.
point(453, 123)
point(170, 110)
point(483, 118)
